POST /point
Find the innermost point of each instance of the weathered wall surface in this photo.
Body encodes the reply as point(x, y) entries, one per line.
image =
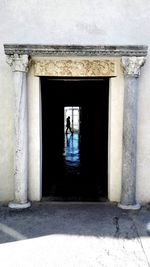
point(74, 22)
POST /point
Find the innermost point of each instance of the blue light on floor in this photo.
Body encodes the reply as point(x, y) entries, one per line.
point(72, 152)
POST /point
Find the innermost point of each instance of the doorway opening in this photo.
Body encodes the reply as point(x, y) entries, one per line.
point(71, 141)
point(75, 160)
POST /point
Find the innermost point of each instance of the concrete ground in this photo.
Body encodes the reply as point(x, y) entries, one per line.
point(74, 234)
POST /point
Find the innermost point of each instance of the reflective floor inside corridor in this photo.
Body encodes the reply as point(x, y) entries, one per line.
point(71, 154)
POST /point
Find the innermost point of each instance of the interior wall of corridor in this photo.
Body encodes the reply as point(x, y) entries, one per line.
point(82, 23)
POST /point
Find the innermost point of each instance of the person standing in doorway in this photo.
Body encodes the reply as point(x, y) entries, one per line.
point(68, 126)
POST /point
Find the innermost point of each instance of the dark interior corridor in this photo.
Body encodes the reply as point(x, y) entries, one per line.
point(74, 167)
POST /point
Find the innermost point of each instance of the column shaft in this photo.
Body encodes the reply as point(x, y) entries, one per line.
point(20, 156)
point(129, 142)
point(131, 67)
point(19, 65)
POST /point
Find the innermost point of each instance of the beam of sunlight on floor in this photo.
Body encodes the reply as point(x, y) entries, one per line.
point(11, 232)
point(67, 250)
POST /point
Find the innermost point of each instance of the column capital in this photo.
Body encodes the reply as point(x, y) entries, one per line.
point(19, 63)
point(132, 65)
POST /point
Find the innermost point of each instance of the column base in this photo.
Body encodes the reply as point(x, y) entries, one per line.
point(14, 205)
point(129, 207)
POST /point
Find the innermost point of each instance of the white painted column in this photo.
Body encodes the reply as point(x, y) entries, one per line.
point(19, 65)
point(131, 67)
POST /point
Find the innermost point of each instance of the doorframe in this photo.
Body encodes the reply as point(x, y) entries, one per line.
point(121, 62)
point(115, 89)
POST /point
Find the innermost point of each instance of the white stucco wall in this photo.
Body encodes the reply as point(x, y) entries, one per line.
point(74, 22)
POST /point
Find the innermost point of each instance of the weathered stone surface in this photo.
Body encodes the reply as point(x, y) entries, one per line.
point(75, 68)
point(74, 50)
point(129, 142)
point(19, 66)
point(132, 65)
point(18, 62)
point(131, 68)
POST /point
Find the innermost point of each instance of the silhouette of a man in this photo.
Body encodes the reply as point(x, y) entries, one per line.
point(68, 127)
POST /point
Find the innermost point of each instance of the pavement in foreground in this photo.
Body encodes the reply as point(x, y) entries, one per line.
point(77, 234)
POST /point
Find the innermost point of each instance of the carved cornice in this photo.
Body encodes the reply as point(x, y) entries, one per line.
point(76, 68)
point(18, 62)
point(63, 51)
point(132, 65)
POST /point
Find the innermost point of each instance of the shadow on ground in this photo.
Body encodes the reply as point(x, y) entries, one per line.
point(97, 220)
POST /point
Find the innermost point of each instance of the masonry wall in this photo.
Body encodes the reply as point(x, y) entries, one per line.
point(82, 22)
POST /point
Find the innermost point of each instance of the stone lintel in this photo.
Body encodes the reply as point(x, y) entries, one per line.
point(76, 50)
point(75, 68)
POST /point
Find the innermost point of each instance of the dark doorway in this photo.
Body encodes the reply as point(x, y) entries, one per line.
point(75, 164)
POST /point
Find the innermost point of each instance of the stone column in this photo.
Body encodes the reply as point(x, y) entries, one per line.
point(19, 65)
point(131, 67)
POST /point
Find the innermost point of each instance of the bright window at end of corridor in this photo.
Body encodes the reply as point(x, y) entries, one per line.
point(73, 113)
